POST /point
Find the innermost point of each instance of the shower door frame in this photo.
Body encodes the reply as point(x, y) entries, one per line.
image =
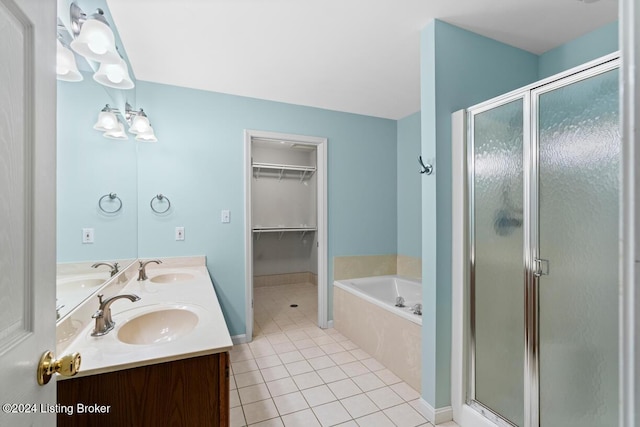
point(531, 250)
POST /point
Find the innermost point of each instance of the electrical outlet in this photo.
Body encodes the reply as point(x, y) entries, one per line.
point(225, 216)
point(179, 233)
point(87, 235)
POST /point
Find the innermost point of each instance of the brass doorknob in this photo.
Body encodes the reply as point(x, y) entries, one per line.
point(67, 366)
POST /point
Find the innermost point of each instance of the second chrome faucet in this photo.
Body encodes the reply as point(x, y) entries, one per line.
point(142, 274)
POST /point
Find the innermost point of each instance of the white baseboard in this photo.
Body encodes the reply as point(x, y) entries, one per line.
point(239, 339)
point(434, 416)
point(329, 324)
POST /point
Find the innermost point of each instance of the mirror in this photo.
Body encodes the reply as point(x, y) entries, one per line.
point(96, 186)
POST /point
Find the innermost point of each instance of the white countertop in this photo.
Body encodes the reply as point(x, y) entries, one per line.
point(108, 353)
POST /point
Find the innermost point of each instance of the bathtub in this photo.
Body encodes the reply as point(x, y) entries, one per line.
point(364, 311)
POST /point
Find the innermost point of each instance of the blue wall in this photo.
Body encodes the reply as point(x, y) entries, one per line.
point(591, 46)
point(459, 69)
point(409, 191)
point(198, 163)
point(88, 167)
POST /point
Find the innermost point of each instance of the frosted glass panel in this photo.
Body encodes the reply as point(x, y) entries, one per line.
point(499, 280)
point(579, 157)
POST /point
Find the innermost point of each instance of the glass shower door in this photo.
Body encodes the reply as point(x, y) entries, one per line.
point(579, 146)
point(497, 282)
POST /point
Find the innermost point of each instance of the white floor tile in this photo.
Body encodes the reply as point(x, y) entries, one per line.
point(331, 414)
point(234, 398)
point(244, 366)
point(359, 354)
point(307, 380)
point(405, 391)
point(236, 417)
point(268, 361)
point(332, 374)
point(377, 419)
point(248, 378)
point(344, 388)
point(359, 405)
point(321, 362)
point(353, 369)
point(342, 357)
point(291, 356)
point(332, 348)
point(306, 343)
point(292, 402)
point(404, 415)
point(368, 382)
point(384, 397)
point(318, 395)
point(253, 393)
point(278, 338)
point(297, 335)
point(300, 367)
point(281, 386)
point(388, 377)
point(304, 418)
point(274, 422)
point(348, 424)
point(284, 347)
point(260, 411)
point(274, 373)
point(324, 339)
point(312, 352)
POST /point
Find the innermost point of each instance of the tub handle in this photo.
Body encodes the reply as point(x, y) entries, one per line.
point(417, 309)
point(399, 302)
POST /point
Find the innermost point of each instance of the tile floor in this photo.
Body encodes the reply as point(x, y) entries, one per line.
point(296, 374)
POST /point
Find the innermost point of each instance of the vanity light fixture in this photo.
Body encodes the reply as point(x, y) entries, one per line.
point(114, 75)
point(107, 119)
point(93, 36)
point(139, 124)
point(66, 67)
point(117, 133)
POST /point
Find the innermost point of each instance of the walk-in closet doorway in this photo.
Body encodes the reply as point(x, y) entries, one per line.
point(286, 232)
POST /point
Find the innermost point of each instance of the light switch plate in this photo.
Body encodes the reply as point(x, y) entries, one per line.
point(225, 216)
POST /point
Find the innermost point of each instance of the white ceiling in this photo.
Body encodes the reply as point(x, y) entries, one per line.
point(358, 56)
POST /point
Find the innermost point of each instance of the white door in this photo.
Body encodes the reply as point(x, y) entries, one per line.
point(27, 207)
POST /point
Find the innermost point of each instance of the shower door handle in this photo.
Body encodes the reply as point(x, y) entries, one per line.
point(542, 267)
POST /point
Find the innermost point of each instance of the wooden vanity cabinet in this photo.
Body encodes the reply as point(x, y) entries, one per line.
point(190, 392)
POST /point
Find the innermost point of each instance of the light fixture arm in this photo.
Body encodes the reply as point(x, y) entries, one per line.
point(79, 17)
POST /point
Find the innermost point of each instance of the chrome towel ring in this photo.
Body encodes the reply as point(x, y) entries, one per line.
point(111, 198)
point(160, 198)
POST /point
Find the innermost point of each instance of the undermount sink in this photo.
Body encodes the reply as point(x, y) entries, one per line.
point(158, 326)
point(172, 277)
point(78, 284)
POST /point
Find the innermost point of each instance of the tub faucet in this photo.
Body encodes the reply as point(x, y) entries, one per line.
point(104, 322)
point(417, 309)
point(142, 274)
point(399, 302)
point(114, 267)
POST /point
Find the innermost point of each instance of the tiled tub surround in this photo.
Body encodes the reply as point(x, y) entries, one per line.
point(392, 335)
point(351, 267)
point(107, 353)
point(285, 279)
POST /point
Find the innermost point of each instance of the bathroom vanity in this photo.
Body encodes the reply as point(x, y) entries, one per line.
point(165, 362)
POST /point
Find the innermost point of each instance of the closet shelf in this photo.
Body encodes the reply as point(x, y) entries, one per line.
point(305, 171)
point(303, 230)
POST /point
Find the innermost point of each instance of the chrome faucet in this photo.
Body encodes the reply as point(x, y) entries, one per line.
point(114, 267)
point(142, 274)
point(104, 322)
point(399, 302)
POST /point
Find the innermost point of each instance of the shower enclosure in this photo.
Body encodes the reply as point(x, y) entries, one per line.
point(543, 166)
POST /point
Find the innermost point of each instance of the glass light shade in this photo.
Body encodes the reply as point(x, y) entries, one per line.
point(107, 121)
point(139, 124)
point(114, 75)
point(96, 42)
point(117, 133)
point(147, 136)
point(66, 67)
